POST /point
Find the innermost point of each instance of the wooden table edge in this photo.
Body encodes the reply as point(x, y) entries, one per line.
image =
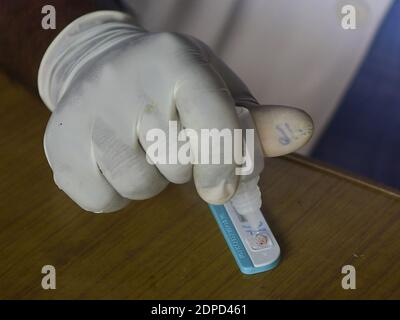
point(342, 174)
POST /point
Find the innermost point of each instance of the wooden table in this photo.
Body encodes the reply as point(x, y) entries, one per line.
point(170, 247)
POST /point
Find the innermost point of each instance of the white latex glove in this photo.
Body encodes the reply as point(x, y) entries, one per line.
point(108, 81)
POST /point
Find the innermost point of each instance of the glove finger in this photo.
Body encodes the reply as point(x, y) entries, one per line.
point(68, 149)
point(204, 102)
point(161, 136)
point(123, 161)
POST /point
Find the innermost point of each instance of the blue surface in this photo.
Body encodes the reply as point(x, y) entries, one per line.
point(364, 135)
point(235, 244)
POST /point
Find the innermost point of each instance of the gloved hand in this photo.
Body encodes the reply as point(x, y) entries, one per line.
point(108, 81)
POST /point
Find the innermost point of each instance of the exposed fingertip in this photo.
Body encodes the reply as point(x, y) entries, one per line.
point(282, 129)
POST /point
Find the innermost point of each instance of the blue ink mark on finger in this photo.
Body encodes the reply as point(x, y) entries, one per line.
point(283, 139)
point(291, 131)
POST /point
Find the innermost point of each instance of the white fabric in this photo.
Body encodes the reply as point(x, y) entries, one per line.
point(287, 52)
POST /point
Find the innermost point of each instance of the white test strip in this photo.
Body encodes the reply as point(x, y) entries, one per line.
point(260, 243)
